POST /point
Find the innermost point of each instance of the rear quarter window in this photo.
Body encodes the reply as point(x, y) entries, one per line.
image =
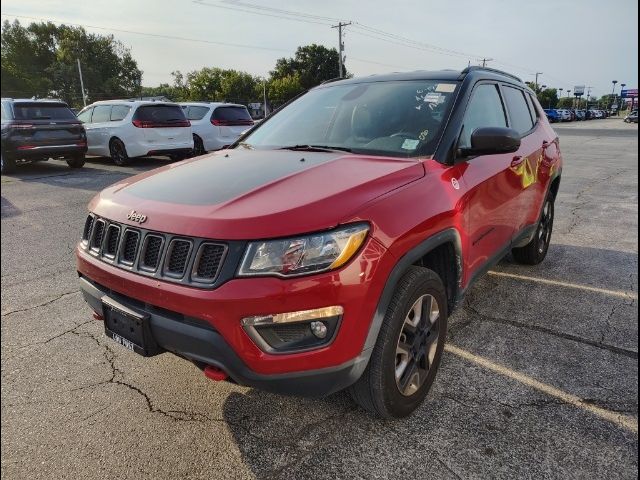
point(42, 111)
point(521, 119)
point(196, 113)
point(118, 112)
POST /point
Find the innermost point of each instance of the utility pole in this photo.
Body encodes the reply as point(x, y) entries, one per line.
point(613, 95)
point(586, 108)
point(340, 46)
point(536, 74)
point(84, 95)
point(485, 60)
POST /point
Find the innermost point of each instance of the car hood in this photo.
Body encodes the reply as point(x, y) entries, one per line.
point(249, 194)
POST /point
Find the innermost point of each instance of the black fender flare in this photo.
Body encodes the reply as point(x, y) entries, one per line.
point(450, 235)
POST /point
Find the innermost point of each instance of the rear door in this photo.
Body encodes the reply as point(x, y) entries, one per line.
point(47, 124)
point(525, 162)
point(232, 121)
point(98, 131)
point(165, 126)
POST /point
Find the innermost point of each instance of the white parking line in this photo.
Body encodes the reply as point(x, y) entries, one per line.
point(624, 421)
point(613, 293)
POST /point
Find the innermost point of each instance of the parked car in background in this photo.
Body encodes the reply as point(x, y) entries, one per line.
point(632, 117)
point(216, 125)
point(580, 115)
point(552, 115)
point(35, 130)
point(125, 129)
point(565, 115)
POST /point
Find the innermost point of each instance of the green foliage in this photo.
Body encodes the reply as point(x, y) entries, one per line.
point(41, 60)
point(566, 102)
point(312, 63)
point(283, 89)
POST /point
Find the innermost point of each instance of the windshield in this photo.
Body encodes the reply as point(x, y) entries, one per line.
point(396, 118)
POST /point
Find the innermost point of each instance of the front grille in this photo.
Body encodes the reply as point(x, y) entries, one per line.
point(178, 256)
point(88, 225)
point(130, 246)
point(152, 250)
point(98, 235)
point(191, 260)
point(111, 244)
point(209, 261)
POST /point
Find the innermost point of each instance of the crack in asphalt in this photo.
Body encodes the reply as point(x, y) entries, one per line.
point(40, 305)
point(566, 336)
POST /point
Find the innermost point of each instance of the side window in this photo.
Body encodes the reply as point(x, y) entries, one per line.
point(535, 114)
point(101, 113)
point(5, 115)
point(118, 112)
point(85, 115)
point(519, 113)
point(484, 110)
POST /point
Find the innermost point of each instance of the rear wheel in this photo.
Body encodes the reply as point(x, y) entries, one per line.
point(8, 163)
point(535, 251)
point(410, 343)
point(77, 161)
point(198, 146)
point(118, 152)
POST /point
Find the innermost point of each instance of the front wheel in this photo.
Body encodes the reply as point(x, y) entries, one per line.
point(534, 252)
point(77, 161)
point(410, 343)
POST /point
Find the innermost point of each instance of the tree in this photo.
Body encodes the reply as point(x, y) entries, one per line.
point(216, 84)
point(312, 63)
point(566, 102)
point(281, 90)
point(41, 60)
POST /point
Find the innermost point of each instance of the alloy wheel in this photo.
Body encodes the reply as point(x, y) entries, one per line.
point(417, 344)
point(545, 226)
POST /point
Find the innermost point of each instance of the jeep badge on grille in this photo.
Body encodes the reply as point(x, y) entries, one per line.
point(136, 217)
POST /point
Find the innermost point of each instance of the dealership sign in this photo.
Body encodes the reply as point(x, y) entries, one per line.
point(578, 90)
point(629, 93)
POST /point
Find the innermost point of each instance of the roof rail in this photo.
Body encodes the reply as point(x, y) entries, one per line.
point(474, 68)
point(332, 80)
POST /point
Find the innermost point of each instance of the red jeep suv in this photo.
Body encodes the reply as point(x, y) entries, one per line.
point(327, 247)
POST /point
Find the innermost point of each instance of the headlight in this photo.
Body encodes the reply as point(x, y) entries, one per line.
point(302, 255)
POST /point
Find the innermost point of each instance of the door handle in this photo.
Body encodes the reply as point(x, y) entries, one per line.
point(517, 161)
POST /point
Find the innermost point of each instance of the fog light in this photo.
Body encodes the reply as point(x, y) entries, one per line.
point(319, 329)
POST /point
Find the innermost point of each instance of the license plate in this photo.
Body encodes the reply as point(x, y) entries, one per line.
point(128, 328)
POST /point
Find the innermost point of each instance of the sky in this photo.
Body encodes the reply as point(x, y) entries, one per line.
point(579, 42)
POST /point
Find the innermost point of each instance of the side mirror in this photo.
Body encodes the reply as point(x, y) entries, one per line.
point(491, 140)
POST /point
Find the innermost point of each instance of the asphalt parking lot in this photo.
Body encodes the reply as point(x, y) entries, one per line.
point(540, 378)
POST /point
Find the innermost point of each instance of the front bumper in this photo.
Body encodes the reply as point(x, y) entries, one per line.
point(197, 341)
point(225, 344)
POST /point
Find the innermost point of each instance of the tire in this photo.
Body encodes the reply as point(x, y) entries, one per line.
point(77, 161)
point(7, 164)
point(118, 152)
point(198, 146)
point(386, 389)
point(535, 251)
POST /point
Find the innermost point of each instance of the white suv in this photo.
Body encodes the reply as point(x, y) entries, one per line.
point(216, 125)
point(124, 129)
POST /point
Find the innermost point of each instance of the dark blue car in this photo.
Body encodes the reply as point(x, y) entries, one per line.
point(552, 115)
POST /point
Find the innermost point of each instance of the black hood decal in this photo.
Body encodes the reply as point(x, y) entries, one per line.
point(219, 178)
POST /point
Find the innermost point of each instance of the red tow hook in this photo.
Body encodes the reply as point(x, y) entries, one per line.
point(215, 373)
point(97, 316)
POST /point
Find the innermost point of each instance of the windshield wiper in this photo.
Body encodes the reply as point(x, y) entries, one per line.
point(316, 148)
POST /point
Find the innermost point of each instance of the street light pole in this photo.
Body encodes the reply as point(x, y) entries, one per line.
point(536, 74)
point(613, 94)
point(84, 95)
point(622, 85)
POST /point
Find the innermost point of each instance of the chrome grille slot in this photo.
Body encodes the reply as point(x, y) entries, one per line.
point(151, 252)
point(130, 246)
point(111, 242)
point(208, 262)
point(88, 225)
point(177, 257)
point(97, 236)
